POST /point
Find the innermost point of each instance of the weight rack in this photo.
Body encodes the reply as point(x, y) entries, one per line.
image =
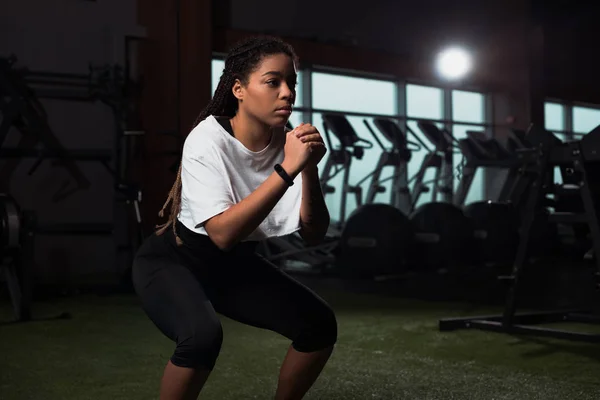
point(546, 153)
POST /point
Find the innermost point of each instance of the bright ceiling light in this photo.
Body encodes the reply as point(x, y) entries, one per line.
point(454, 63)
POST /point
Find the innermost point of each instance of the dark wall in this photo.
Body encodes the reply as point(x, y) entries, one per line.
point(175, 63)
point(66, 37)
point(571, 56)
point(400, 27)
point(493, 30)
point(498, 32)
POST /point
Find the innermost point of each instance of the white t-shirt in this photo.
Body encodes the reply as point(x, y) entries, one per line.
point(218, 171)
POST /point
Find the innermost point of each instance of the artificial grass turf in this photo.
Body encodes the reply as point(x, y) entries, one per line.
point(388, 348)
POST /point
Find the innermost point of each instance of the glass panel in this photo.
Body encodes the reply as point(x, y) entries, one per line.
point(557, 175)
point(296, 119)
point(554, 116)
point(585, 119)
point(216, 69)
point(299, 94)
point(339, 92)
point(424, 102)
point(468, 107)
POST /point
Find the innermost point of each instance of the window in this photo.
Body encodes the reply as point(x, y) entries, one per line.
point(554, 117)
point(216, 69)
point(351, 94)
point(585, 119)
point(296, 117)
point(427, 103)
point(467, 107)
point(554, 121)
point(346, 93)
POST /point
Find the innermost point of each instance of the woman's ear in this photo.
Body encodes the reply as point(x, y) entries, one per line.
point(238, 90)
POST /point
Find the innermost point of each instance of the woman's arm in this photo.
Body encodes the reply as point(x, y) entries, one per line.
point(314, 216)
point(241, 219)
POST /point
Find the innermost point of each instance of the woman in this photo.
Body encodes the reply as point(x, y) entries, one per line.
point(243, 178)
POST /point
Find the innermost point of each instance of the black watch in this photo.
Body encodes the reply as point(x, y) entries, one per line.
point(284, 175)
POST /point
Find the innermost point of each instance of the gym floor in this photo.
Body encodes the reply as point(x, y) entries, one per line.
point(389, 348)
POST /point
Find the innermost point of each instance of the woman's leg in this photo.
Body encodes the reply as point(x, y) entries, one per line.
point(182, 382)
point(299, 371)
point(176, 303)
point(259, 294)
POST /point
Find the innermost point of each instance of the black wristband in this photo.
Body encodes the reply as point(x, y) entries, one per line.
point(284, 175)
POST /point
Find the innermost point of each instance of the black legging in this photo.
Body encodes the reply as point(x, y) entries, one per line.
point(182, 288)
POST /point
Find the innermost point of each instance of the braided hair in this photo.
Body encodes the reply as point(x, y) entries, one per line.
point(242, 60)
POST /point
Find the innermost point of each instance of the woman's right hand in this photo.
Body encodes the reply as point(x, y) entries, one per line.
point(297, 150)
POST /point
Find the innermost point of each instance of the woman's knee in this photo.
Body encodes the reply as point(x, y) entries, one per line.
point(329, 328)
point(318, 332)
point(199, 348)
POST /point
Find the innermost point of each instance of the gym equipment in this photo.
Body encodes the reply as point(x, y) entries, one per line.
point(16, 261)
point(17, 239)
point(443, 235)
point(20, 91)
point(516, 190)
point(496, 232)
point(397, 157)
point(21, 108)
point(375, 241)
point(340, 159)
point(480, 151)
point(291, 254)
point(496, 224)
point(495, 235)
point(538, 164)
point(377, 238)
point(439, 158)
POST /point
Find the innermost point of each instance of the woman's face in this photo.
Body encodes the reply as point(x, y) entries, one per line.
point(270, 91)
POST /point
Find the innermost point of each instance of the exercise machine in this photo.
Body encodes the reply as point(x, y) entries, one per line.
point(16, 255)
point(291, 254)
point(481, 151)
point(340, 160)
point(538, 164)
point(397, 157)
point(440, 159)
point(516, 189)
point(495, 223)
point(377, 237)
point(444, 234)
point(17, 242)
